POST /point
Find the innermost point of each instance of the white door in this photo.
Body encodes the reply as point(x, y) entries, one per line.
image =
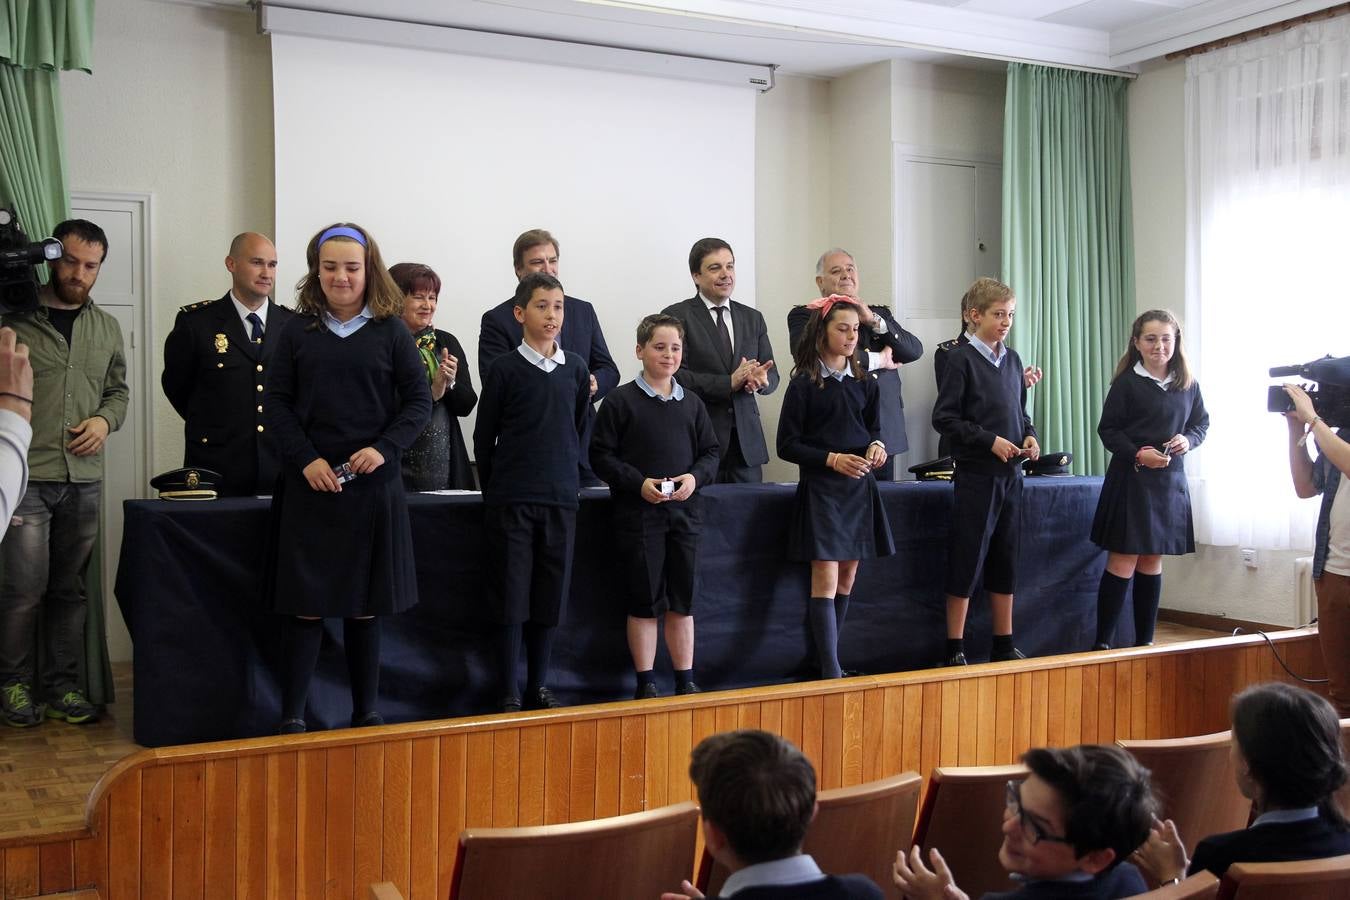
point(948, 233)
point(123, 291)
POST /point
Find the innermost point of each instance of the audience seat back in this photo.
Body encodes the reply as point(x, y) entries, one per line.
point(1194, 780)
point(1307, 879)
point(1198, 886)
point(961, 817)
point(637, 855)
point(1343, 795)
point(856, 829)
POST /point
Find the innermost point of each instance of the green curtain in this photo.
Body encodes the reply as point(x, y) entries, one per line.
point(38, 39)
point(1068, 245)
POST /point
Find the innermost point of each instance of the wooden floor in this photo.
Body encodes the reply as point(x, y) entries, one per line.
point(47, 773)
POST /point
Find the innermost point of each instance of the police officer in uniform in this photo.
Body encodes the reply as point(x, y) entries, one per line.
point(215, 363)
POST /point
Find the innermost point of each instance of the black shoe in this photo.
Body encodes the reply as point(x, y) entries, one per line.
point(370, 719)
point(542, 699)
point(511, 704)
point(853, 673)
point(956, 659)
point(292, 726)
point(687, 688)
point(1101, 646)
point(1008, 656)
point(646, 692)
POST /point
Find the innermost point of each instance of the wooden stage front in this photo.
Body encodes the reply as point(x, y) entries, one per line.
point(326, 814)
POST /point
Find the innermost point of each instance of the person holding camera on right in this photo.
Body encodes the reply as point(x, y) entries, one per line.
point(1331, 556)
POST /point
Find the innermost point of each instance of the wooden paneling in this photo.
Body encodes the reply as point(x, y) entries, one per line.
point(325, 815)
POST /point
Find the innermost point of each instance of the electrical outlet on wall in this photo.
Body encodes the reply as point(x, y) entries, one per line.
point(1249, 557)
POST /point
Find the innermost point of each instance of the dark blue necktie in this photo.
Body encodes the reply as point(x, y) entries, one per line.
point(255, 326)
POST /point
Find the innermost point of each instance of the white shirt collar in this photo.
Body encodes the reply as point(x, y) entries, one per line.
point(537, 359)
point(1301, 814)
point(827, 372)
point(244, 311)
point(992, 354)
point(1140, 370)
point(797, 869)
point(711, 305)
point(676, 392)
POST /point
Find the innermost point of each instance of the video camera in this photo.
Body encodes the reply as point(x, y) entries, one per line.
point(18, 260)
point(1331, 396)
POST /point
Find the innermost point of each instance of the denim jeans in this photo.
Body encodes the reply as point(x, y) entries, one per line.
point(42, 561)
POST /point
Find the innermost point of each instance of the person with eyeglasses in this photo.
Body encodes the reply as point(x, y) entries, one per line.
point(1068, 829)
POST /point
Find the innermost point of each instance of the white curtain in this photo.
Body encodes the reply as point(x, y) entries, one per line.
point(1268, 262)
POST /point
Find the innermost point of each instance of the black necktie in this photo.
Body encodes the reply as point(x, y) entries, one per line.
point(255, 326)
point(724, 334)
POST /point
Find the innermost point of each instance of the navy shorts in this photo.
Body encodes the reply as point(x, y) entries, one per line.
point(985, 529)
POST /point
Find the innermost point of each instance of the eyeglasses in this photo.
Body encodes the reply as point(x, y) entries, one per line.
point(1031, 829)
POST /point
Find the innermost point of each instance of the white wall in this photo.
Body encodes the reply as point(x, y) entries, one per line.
point(179, 106)
point(793, 148)
point(1214, 581)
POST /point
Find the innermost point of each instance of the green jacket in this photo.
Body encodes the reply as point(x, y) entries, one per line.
point(70, 386)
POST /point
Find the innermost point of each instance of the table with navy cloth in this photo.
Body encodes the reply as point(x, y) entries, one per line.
point(207, 654)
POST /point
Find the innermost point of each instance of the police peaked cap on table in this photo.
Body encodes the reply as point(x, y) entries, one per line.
point(188, 483)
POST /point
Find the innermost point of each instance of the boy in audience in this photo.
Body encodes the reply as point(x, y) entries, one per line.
point(758, 797)
point(654, 445)
point(1067, 830)
point(527, 440)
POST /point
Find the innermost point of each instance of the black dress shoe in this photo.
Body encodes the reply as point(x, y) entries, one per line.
point(542, 699)
point(956, 659)
point(853, 673)
point(646, 692)
point(1101, 646)
point(368, 720)
point(292, 726)
point(511, 704)
point(1008, 656)
point(687, 688)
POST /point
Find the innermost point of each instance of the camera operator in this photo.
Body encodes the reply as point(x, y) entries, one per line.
point(1331, 558)
point(16, 432)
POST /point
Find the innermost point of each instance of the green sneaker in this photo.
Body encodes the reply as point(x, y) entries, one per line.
point(74, 708)
point(17, 707)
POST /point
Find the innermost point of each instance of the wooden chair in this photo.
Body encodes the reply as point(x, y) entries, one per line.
point(637, 855)
point(1199, 886)
point(1194, 780)
point(856, 829)
point(962, 817)
point(1307, 879)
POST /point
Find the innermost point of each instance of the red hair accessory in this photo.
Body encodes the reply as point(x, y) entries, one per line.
point(825, 304)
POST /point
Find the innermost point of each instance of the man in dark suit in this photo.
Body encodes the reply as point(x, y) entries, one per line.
point(537, 251)
point(215, 367)
point(883, 346)
point(727, 360)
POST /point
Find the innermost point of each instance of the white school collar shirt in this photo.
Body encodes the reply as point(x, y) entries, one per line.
point(676, 392)
point(243, 312)
point(731, 329)
point(992, 354)
point(539, 360)
point(789, 870)
point(1140, 370)
point(827, 372)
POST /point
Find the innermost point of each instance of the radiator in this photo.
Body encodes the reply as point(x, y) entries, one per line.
point(1305, 601)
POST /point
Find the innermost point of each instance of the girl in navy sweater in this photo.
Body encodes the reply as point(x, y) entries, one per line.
point(829, 427)
point(346, 395)
point(1153, 414)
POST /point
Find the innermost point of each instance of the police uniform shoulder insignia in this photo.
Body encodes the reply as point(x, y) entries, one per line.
point(948, 345)
point(198, 305)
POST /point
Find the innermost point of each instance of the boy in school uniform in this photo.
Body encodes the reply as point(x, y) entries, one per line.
point(654, 444)
point(981, 410)
point(531, 414)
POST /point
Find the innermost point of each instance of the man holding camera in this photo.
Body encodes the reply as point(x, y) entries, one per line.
point(79, 396)
point(1331, 556)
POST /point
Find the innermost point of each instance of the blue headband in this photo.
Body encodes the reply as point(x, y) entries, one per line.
point(342, 231)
